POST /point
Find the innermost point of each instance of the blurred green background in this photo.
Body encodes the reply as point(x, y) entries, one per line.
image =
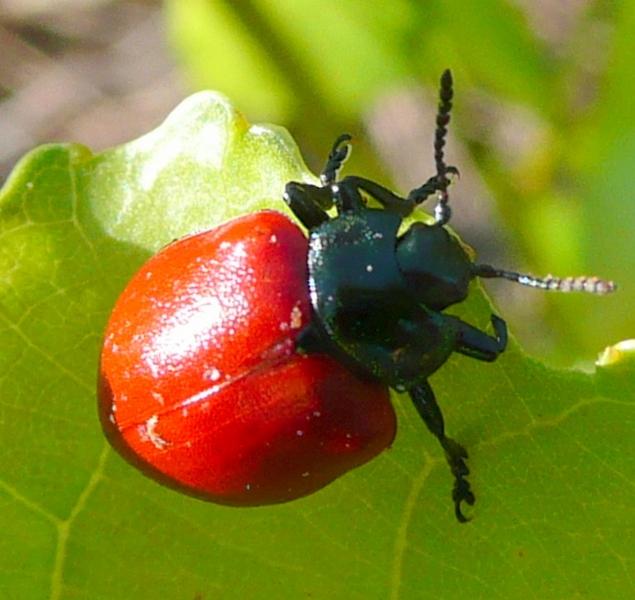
point(542, 131)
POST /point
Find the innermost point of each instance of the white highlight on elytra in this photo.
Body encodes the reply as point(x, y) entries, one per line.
point(148, 432)
point(212, 374)
point(181, 337)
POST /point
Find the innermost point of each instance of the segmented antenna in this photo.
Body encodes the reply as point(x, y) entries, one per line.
point(590, 285)
point(442, 211)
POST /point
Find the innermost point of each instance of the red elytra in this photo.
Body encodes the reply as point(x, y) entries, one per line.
point(200, 385)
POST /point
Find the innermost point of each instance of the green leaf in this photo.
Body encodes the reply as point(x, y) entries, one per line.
point(550, 451)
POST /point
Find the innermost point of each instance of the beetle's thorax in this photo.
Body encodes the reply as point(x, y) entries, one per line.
point(362, 301)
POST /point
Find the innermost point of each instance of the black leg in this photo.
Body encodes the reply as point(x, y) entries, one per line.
point(384, 196)
point(433, 185)
point(477, 344)
point(426, 405)
point(308, 202)
point(347, 198)
point(336, 159)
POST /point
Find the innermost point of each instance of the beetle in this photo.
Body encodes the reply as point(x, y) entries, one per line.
point(250, 365)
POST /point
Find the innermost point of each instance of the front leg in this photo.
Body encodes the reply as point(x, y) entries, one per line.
point(389, 200)
point(433, 185)
point(478, 344)
point(309, 203)
point(427, 407)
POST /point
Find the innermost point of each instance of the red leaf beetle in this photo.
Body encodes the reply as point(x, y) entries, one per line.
point(249, 365)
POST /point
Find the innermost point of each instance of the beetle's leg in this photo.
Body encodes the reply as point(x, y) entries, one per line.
point(478, 344)
point(309, 202)
point(347, 198)
point(337, 157)
point(433, 185)
point(426, 405)
point(389, 200)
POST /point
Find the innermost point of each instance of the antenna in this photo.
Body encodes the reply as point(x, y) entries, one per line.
point(590, 285)
point(442, 211)
point(438, 184)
